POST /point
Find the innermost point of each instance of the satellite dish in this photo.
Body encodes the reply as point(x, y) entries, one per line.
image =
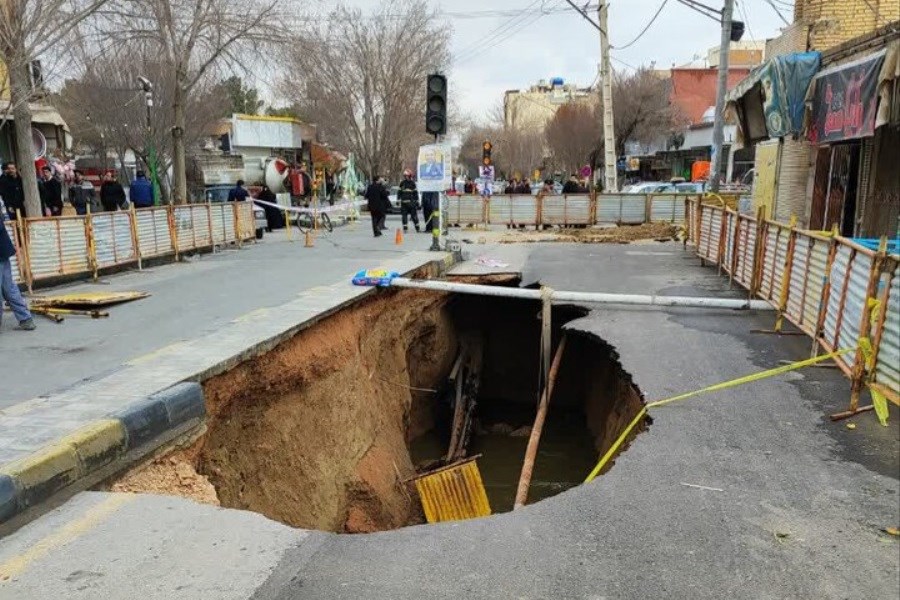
point(39, 143)
point(275, 175)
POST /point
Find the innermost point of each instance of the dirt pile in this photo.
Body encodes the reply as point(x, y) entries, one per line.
point(623, 234)
point(172, 475)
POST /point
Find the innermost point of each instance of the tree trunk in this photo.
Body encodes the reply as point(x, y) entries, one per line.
point(20, 92)
point(179, 164)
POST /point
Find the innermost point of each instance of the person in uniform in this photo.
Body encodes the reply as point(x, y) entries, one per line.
point(409, 200)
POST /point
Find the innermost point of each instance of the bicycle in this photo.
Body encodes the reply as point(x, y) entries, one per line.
point(309, 220)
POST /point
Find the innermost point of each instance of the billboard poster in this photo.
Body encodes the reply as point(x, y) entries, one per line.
point(434, 168)
point(845, 101)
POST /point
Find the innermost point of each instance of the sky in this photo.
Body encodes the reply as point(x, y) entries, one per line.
point(498, 46)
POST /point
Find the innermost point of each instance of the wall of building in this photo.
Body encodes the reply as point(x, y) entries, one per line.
point(833, 22)
point(533, 109)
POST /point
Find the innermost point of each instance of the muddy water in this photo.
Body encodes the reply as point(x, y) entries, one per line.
point(565, 456)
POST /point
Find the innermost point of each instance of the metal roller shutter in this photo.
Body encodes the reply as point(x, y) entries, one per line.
point(793, 174)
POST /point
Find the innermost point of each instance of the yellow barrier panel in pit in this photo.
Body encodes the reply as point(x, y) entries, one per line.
point(453, 493)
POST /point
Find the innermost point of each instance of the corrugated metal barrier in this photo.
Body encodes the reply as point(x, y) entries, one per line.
point(453, 493)
point(113, 239)
point(572, 209)
point(824, 284)
point(73, 245)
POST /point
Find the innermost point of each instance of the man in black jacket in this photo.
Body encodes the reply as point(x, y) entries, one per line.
point(409, 200)
point(11, 190)
point(51, 192)
point(379, 201)
point(112, 194)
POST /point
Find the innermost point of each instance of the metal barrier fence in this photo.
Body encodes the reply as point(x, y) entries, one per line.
point(73, 245)
point(569, 209)
point(840, 293)
point(16, 265)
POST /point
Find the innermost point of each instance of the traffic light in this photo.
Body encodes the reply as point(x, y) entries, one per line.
point(486, 148)
point(436, 107)
point(737, 31)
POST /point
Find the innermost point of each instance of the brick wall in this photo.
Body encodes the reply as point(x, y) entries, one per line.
point(833, 22)
point(792, 39)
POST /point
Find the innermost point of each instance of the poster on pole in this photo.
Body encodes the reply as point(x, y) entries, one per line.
point(435, 168)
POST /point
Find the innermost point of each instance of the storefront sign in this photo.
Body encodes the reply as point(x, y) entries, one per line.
point(845, 101)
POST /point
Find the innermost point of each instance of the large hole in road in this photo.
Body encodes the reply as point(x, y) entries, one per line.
point(326, 430)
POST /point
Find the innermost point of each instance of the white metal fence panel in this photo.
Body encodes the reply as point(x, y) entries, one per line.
point(633, 209)
point(855, 303)
point(465, 210)
point(183, 218)
point(524, 209)
point(887, 367)
point(217, 214)
point(728, 246)
point(202, 229)
point(154, 238)
point(668, 208)
point(566, 210)
point(499, 210)
point(57, 246)
point(113, 242)
point(246, 221)
point(609, 208)
point(777, 239)
point(746, 246)
point(710, 233)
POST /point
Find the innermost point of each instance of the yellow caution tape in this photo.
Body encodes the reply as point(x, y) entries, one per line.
point(713, 388)
point(879, 402)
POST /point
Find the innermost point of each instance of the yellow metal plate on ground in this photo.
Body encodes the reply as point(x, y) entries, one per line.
point(80, 299)
point(453, 493)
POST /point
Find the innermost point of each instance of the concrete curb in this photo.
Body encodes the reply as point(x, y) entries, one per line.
point(35, 478)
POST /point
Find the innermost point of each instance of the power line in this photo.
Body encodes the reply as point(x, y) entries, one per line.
point(743, 10)
point(494, 33)
point(503, 34)
point(778, 12)
point(644, 30)
point(703, 9)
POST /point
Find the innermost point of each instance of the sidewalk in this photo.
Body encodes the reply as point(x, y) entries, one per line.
point(199, 314)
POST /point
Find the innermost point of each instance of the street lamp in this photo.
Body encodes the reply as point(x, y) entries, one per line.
point(147, 88)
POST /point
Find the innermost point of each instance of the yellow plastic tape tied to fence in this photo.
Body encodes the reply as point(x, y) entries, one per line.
point(638, 418)
point(879, 402)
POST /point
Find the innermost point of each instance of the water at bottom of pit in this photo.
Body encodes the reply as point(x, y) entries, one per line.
point(565, 456)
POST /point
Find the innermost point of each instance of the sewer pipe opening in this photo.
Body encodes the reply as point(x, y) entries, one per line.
point(326, 430)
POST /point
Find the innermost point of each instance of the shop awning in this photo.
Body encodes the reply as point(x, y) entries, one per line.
point(40, 114)
point(770, 102)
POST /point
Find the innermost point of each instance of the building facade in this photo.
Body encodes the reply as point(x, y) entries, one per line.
point(532, 109)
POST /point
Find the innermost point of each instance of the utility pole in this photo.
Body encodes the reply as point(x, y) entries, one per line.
point(609, 137)
point(722, 88)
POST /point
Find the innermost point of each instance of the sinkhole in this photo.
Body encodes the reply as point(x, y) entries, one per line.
point(326, 430)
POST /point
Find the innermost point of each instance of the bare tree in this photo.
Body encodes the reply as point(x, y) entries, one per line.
point(105, 112)
point(363, 79)
point(572, 136)
point(193, 39)
point(28, 30)
point(642, 107)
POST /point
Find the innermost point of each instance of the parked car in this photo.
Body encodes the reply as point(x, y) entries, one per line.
point(393, 196)
point(219, 193)
point(647, 187)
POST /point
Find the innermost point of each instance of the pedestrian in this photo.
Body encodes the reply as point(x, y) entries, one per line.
point(141, 191)
point(525, 187)
point(112, 194)
point(571, 186)
point(81, 194)
point(330, 187)
point(511, 186)
point(9, 290)
point(50, 189)
point(429, 206)
point(469, 187)
point(11, 190)
point(274, 216)
point(409, 200)
point(305, 185)
point(238, 193)
point(379, 201)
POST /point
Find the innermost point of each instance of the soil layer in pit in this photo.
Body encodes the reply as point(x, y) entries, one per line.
point(316, 433)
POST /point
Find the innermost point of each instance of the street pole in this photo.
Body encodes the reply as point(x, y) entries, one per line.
point(721, 89)
point(609, 137)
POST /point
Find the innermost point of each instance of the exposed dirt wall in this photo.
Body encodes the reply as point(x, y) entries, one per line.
point(314, 433)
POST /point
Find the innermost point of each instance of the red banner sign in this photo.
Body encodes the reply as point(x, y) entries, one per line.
point(845, 101)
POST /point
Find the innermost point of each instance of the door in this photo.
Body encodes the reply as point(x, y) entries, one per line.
point(765, 176)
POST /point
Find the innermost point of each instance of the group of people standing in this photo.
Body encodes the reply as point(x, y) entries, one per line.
point(80, 194)
point(379, 204)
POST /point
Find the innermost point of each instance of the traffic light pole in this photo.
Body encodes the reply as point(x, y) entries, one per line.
point(721, 90)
